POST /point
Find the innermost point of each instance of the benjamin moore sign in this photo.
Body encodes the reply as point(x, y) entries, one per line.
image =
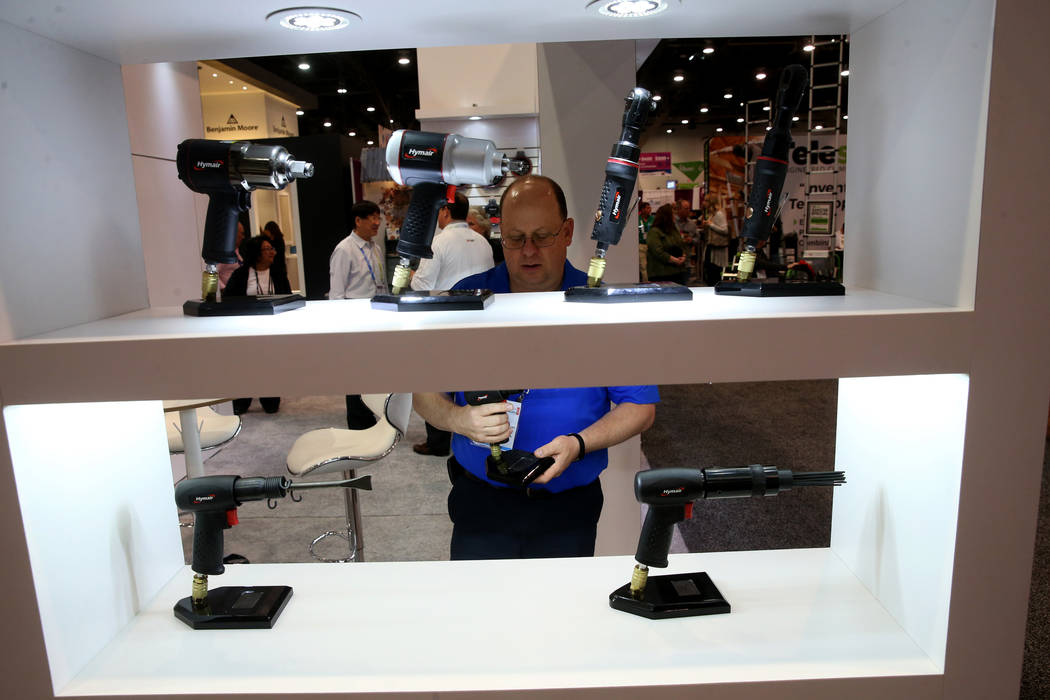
point(231, 126)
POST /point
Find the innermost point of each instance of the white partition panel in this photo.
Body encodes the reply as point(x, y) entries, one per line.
point(94, 485)
point(900, 441)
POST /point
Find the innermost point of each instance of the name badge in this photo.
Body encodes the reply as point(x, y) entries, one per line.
point(513, 415)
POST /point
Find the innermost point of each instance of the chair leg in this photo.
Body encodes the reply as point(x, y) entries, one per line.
point(352, 536)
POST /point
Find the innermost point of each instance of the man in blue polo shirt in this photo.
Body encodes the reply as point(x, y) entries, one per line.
point(558, 514)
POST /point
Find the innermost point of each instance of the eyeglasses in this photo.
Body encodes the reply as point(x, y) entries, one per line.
point(539, 239)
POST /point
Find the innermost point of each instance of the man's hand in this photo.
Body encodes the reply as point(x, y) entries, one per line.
point(485, 423)
point(565, 450)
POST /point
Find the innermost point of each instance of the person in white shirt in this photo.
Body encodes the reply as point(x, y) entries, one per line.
point(459, 251)
point(356, 269)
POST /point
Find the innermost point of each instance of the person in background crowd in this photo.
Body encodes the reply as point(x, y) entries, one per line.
point(479, 222)
point(256, 277)
point(459, 251)
point(645, 221)
point(683, 219)
point(557, 515)
point(356, 271)
point(273, 232)
point(667, 258)
point(716, 227)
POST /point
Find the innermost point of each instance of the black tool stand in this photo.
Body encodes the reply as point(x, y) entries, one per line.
point(520, 468)
point(245, 306)
point(621, 293)
point(236, 608)
point(451, 300)
point(773, 287)
point(674, 595)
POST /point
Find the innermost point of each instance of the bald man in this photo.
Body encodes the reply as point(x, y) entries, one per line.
point(557, 515)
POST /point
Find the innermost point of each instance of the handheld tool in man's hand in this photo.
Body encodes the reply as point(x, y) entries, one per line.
point(511, 467)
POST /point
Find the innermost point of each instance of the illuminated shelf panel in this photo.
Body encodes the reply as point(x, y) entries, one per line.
point(527, 339)
point(798, 615)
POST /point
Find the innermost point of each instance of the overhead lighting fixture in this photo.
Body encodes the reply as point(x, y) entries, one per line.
point(244, 87)
point(304, 66)
point(817, 126)
point(627, 9)
point(231, 82)
point(704, 110)
point(739, 120)
point(341, 91)
point(327, 124)
point(656, 98)
point(404, 60)
point(794, 118)
point(692, 56)
point(370, 109)
point(845, 116)
point(728, 95)
point(760, 75)
point(215, 75)
point(474, 118)
point(299, 112)
point(719, 129)
point(678, 77)
point(351, 133)
point(391, 121)
point(768, 128)
point(313, 19)
point(371, 142)
point(766, 108)
point(808, 47)
point(670, 130)
point(685, 121)
point(845, 72)
point(709, 49)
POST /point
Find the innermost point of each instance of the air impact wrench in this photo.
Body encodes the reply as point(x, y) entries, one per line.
point(227, 171)
point(621, 174)
point(512, 467)
point(434, 164)
point(770, 170)
point(213, 500)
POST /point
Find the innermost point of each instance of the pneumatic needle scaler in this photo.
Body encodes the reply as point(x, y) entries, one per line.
point(434, 164)
point(670, 494)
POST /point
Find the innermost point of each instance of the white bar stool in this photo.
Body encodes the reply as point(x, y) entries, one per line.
point(338, 449)
point(197, 427)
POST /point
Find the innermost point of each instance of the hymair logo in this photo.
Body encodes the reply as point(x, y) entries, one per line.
point(421, 152)
point(616, 205)
point(208, 164)
point(672, 492)
point(232, 120)
point(202, 499)
point(769, 202)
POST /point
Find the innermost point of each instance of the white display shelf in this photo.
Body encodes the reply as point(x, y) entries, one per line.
point(529, 339)
point(798, 615)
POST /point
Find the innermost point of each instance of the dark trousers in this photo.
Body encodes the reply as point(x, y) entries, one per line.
point(438, 440)
point(270, 404)
point(502, 523)
point(358, 415)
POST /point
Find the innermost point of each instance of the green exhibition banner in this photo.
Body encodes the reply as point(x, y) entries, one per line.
point(691, 169)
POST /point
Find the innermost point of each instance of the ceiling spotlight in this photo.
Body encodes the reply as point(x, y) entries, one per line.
point(231, 82)
point(656, 98)
point(808, 47)
point(327, 124)
point(760, 75)
point(474, 118)
point(215, 75)
point(391, 121)
point(739, 120)
point(845, 116)
point(766, 108)
point(794, 118)
point(709, 49)
point(299, 112)
point(692, 56)
point(244, 87)
point(678, 77)
point(304, 66)
point(728, 95)
point(371, 142)
point(703, 110)
point(312, 19)
point(670, 130)
point(719, 129)
point(768, 128)
point(351, 133)
point(370, 109)
point(341, 91)
point(817, 126)
point(845, 72)
point(627, 9)
point(404, 60)
point(685, 121)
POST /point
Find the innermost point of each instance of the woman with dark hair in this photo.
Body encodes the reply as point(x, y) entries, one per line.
point(258, 275)
point(272, 232)
point(665, 258)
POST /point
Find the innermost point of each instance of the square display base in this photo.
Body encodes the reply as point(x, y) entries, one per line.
point(245, 306)
point(776, 288)
point(434, 300)
point(674, 595)
point(235, 608)
point(621, 293)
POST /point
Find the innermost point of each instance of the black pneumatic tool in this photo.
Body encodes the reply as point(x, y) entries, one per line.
point(669, 494)
point(213, 500)
point(516, 468)
point(228, 171)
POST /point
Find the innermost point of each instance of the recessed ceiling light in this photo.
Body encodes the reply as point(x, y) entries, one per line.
point(244, 87)
point(474, 118)
point(352, 133)
point(817, 126)
point(404, 60)
point(709, 49)
point(215, 75)
point(768, 128)
point(627, 9)
point(327, 124)
point(670, 130)
point(371, 142)
point(341, 91)
point(760, 76)
point(678, 77)
point(312, 19)
point(304, 66)
point(845, 72)
point(766, 108)
point(719, 129)
point(656, 98)
point(845, 116)
point(692, 56)
point(703, 110)
point(728, 95)
point(370, 109)
point(794, 118)
point(685, 121)
point(299, 112)
point(739, 120)
point(808, 47)
point(391, 121)
point(231, 82)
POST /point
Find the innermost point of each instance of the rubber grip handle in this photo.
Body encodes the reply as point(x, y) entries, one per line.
point(220, 227)
point(655, 540)
point(207, 541)
point(417, 230)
